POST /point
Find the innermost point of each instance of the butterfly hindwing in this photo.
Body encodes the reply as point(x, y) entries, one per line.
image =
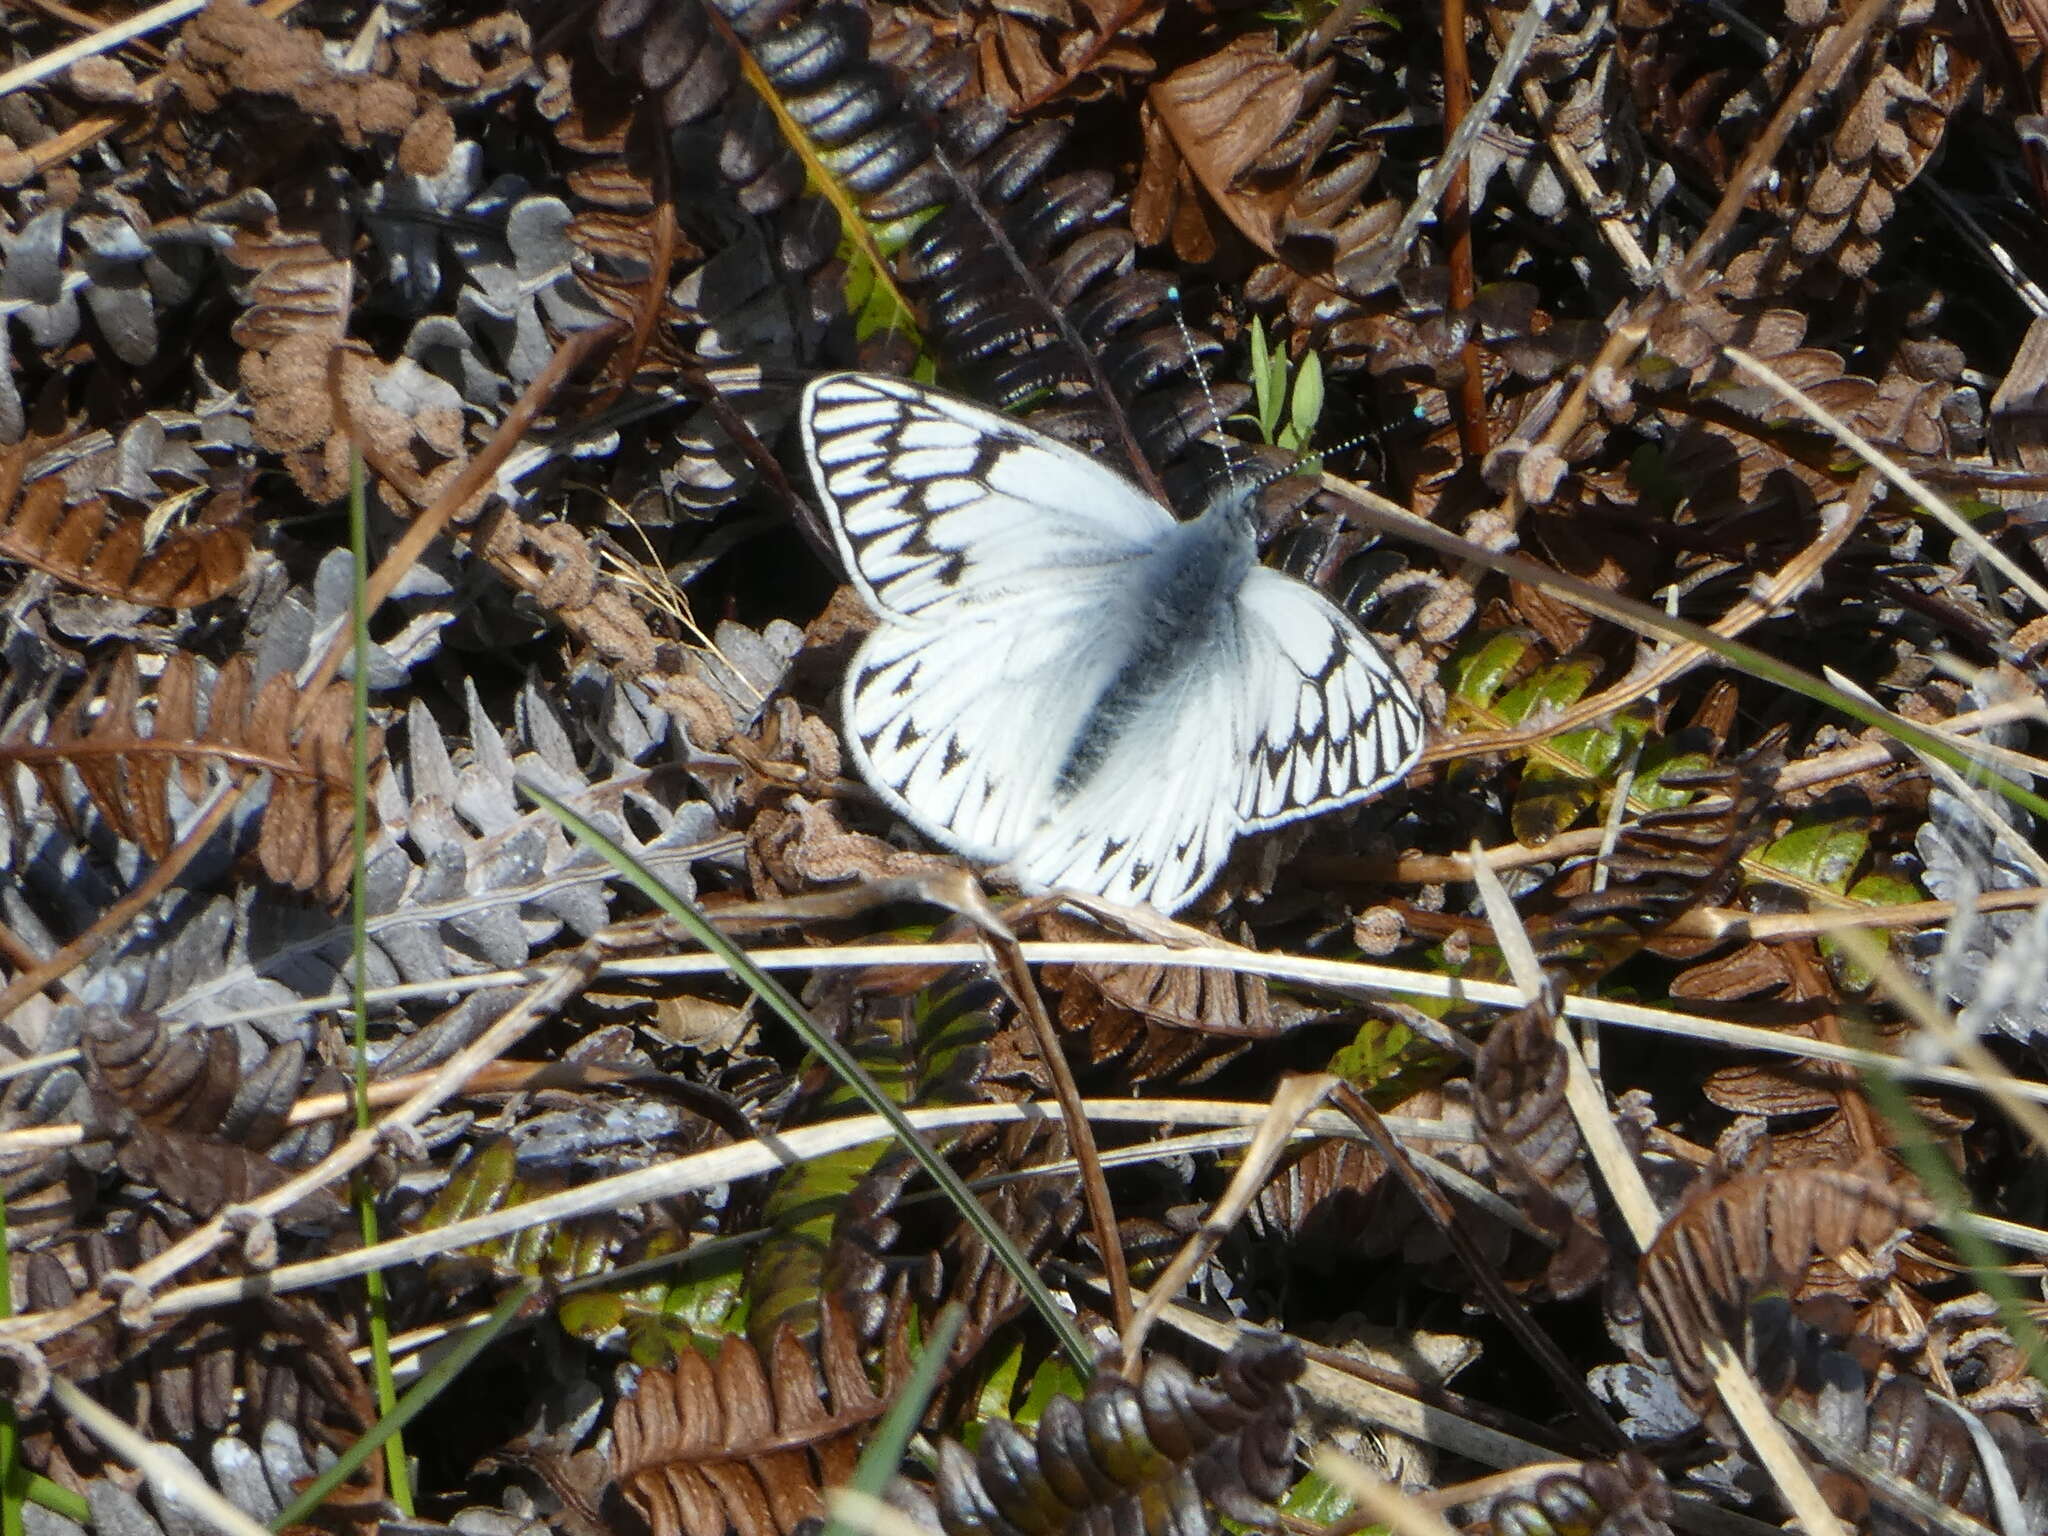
point(935, 502)
point(1333, 721)
point(1156, 823)
point(964, 726)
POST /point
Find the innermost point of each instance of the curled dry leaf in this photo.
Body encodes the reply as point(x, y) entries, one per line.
point(1731, 1241)
point(1518, 1100)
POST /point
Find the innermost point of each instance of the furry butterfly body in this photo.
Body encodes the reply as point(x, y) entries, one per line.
point(1068, 682)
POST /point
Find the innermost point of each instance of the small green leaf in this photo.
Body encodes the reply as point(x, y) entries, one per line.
point(1596, 751)
point(875, 303)
point(1478, 675)
point(1824, 853)
point(1388, 1061)
point(1885, 890)
point(1880, 889)
point(1055, 1378)
point(1308, 399)
point(1000, 1385)
point(1268, 386)
point(591, 1316)
point(1318, 1501)
point(1659, 763)
point(1549, 800)
point(653, 1342)
point(1556, 687)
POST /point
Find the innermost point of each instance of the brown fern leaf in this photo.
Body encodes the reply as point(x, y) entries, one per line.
point(124, 754)
point(624, 224)
point(1987, 1367)
point(184, 1117)
point(1625, 1497)
point(1178, 997)
point(1246, 126)
point(1529, 1132)
point(1027, 55)
point(1161, 1457)
point(1817, 1110)
point(99, 550)
point(299, 297)
point(194, 1081)
point(1162, 1023)
point(745, 1441)
point(1927, 1445)
point(1884, 122)
point(1760, 1231)
point(274, 1363)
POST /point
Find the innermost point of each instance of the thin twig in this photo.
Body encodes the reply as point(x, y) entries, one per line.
point(106, 40)
point(1633, 330)
point(1631, 1196)
point(1345, 977)
point(1760, 601)
point(569, 976)
point(1390, 253)
point(174, 1478)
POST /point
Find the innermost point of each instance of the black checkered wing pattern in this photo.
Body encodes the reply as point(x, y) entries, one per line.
point(1332, 722)
point(938, 505)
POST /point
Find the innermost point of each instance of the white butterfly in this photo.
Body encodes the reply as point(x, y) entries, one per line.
point(1066, 680)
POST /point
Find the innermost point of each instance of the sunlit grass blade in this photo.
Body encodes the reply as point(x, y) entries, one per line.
point(397, 1474)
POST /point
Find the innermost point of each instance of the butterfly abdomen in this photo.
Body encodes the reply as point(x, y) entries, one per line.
point(1187, 588)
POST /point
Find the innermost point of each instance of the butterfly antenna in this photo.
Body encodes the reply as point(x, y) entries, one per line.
point(1317, 458)
point(1230, 462)
point(1187, 340)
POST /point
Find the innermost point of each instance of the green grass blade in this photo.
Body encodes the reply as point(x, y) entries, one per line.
point(883, 1453)
point(396, 1473)
point(457, 1354)
point(829, 1051)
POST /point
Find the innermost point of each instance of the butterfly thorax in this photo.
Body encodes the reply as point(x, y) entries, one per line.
point(1184, 588)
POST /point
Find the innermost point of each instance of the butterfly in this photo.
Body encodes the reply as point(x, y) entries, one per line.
point(1066, 680)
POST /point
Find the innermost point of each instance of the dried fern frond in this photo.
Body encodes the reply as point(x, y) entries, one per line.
point(747, 1440)
point(95, 548)
point(1519, 1103)
point(1732, 1241)
point(1162, 1456)
point(146, 758)
point(1626, 1497)
point(1250, 127)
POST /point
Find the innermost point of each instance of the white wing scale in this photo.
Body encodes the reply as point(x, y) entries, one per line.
point(996, 558)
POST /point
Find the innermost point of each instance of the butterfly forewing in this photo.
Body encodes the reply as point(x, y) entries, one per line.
point(935, 502)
